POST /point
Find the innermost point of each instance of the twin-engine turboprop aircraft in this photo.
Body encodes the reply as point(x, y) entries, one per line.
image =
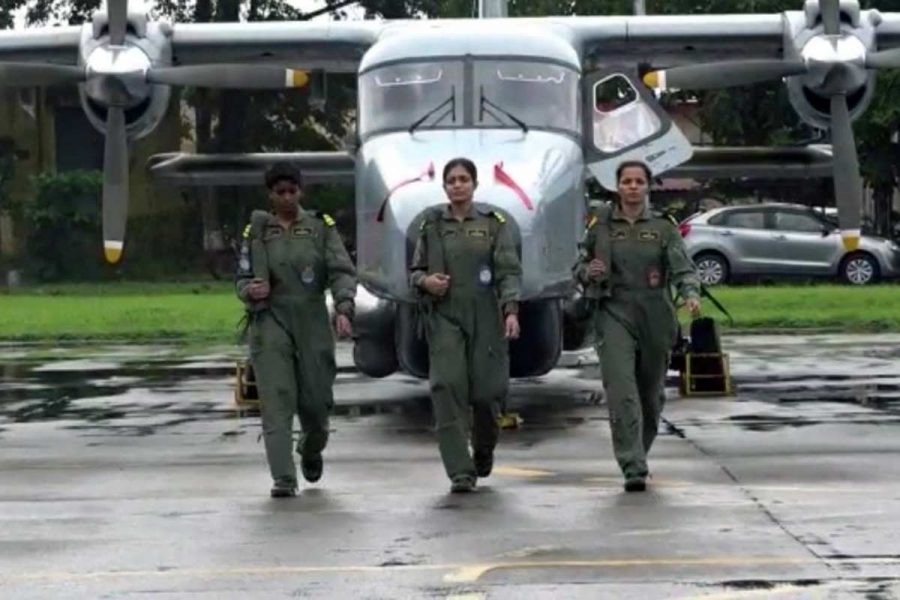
point(539, 104)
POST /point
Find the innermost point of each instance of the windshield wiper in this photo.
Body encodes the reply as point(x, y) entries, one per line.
point(452, 111)
point(484, 101)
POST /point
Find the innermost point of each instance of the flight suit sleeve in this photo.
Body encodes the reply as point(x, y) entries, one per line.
point(244, 273)
point(507, 271)
point(341, 272)
point(585, 256)
point(682, 272)
point(418, 268)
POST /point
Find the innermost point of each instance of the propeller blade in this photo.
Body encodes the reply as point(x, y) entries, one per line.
point(831, 16)
point(885, 58)
point(117, 13)
point(240, 77)
point(115, 184)
point(14, 74)
point(848, 187)
point(725, 74)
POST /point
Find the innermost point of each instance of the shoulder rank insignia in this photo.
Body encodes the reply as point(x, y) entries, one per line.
point(500, 218)
point(328, 220)
point(247, 231)
point(592, 221)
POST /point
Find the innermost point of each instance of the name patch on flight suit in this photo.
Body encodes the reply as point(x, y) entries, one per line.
point(648, 236)
point(477, 233)
point(618, 234)
point(303, 231)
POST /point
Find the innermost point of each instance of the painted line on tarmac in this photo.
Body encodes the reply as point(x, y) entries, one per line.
point(454, 573)
point(513, 471)
point(472, 573)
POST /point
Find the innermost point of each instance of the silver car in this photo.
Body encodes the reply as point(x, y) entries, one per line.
point(782, 240)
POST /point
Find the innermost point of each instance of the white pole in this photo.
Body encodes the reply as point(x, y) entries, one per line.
point(639, 7)
point(492, 9)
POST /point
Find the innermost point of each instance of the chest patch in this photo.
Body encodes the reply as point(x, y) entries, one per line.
point(477, 233)
point(302, 231)
point(618, 234)
point(648, 236)
point(272, 233)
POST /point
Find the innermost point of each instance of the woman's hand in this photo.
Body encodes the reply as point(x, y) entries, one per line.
point(258, 290)
point(436, 284)
point(342, 326)
point(693, 306)
point(511, 325)
point(596, 268)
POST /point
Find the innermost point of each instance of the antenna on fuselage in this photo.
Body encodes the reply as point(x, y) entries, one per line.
point(492, 9)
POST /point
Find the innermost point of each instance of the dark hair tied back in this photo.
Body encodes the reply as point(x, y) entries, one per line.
point(465, 163)
point(283, 171)
point(633, 163)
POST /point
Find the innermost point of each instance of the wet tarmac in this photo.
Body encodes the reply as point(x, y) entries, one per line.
point(126, 472)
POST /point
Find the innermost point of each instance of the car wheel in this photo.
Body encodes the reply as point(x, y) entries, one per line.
point(712, 268)
point(859, 269)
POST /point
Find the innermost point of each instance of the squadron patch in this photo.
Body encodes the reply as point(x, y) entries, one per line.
point(648, 236)
point(618, 234)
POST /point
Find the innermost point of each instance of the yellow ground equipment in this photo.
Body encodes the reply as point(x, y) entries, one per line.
point(246, 396)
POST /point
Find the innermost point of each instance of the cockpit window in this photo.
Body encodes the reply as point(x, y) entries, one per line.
point(505, 93)
point(621, 119)
point(395, 97)
point(541, 95)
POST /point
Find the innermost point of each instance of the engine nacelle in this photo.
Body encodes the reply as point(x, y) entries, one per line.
point(146, 44)
point(805, 41)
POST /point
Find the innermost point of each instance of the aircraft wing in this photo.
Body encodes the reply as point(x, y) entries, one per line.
point(655, 39)
point(672, 39)
point(334, 46)
point(247, 169)
point(756, 163)
point(55, 45)
point(181, 169)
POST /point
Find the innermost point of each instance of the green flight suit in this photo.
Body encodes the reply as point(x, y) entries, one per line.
point(636, 318)
point(291, 340)
point(467, 348)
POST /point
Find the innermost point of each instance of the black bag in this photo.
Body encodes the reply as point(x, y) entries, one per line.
point(705, 336)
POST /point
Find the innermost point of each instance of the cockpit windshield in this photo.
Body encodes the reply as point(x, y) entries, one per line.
point(541, 95)
point(397, 96)
point(515, 94)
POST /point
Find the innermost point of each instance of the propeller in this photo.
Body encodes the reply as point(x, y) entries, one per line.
point(836, 78)
point(116, 94)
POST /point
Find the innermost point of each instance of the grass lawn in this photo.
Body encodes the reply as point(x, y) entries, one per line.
point(210, 311)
